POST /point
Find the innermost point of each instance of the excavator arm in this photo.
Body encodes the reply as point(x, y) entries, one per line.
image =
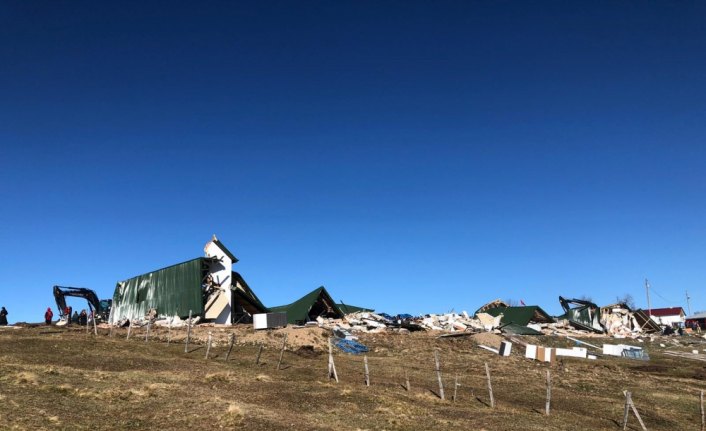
point(61, 292)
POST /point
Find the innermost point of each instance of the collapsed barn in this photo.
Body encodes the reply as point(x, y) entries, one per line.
point(206, 286)
point(308, 308)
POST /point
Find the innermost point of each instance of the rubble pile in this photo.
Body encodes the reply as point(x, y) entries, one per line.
point(367, 322)
point(620, 322)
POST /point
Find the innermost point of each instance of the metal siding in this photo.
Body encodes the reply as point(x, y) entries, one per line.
point(172, 291)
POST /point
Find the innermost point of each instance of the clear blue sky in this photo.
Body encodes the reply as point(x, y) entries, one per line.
point(410, 156)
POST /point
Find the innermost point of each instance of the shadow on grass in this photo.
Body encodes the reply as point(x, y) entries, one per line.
point(483, 402)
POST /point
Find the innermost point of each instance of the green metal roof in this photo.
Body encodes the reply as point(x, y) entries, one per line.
point(521, 315)
point(584, 315)
point(225, 250)
point(173, 290)
point(299, 310)
point(348, 309)
point(515, 329)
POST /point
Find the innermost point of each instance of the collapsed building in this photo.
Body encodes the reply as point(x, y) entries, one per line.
point(617, 320)
point(206, 287)
point(315, 304)
point(524, 320)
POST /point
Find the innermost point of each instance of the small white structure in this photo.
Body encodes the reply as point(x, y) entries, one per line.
point(269, 320)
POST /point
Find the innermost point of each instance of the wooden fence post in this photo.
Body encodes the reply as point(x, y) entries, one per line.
point(549, 393)
point(230, 347)
point(208, 345)
point(367, 373)
point(637, 414)
point(438, 375)
point(111, 331)
point(129, 328)
point(259, 352)
point(169, 332)
point(629, 404)
point(703, 418)
point(188, 333)
point(455, 387)
point(331, 365)
point(406, 380)
point(147, 334)
point(95, 328)
point(490, 386)
point(281, 353)
point(627, 410)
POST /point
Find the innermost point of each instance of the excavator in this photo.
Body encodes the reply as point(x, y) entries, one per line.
point(100, 306)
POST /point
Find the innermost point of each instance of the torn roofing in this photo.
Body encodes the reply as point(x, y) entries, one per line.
point(174, 290)
point(492, 304)
point(646, 323)
point(584, 315)
point(316, 303)
point(246, 296)
point(348, 309)
point(521, 315)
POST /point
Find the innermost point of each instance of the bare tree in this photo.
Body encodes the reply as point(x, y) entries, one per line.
point(626, 299)
point(512, 302)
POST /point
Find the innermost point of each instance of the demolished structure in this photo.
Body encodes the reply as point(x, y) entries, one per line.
point(525, 320)
point(206, 286)
point(617, 320)
point(315, 304)
point(582, 314)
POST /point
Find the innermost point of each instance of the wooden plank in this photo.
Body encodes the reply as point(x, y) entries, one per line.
point(637, 415)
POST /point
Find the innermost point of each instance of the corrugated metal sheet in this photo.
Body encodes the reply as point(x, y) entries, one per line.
point(172, 291)
point(300, 311)
point(521, 315)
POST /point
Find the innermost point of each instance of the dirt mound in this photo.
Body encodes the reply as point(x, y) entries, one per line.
point(314, 338)
point(487, 339)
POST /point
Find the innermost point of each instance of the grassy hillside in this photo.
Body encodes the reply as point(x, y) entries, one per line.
point(54, 378)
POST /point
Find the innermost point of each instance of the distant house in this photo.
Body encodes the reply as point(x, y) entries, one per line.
point(673, 316)
point(698, 318)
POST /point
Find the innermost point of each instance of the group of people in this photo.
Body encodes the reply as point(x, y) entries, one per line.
point(76, 318)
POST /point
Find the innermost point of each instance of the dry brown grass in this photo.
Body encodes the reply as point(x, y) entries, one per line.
point(70, 380)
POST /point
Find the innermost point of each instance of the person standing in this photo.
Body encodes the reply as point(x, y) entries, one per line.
point(48, 315)
point(83, 318)
point(3, 317)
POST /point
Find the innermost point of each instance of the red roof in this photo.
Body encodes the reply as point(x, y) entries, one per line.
point(663, 312)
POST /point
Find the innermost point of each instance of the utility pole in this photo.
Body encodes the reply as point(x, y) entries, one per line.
point(688, 302)
point(647, 289)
